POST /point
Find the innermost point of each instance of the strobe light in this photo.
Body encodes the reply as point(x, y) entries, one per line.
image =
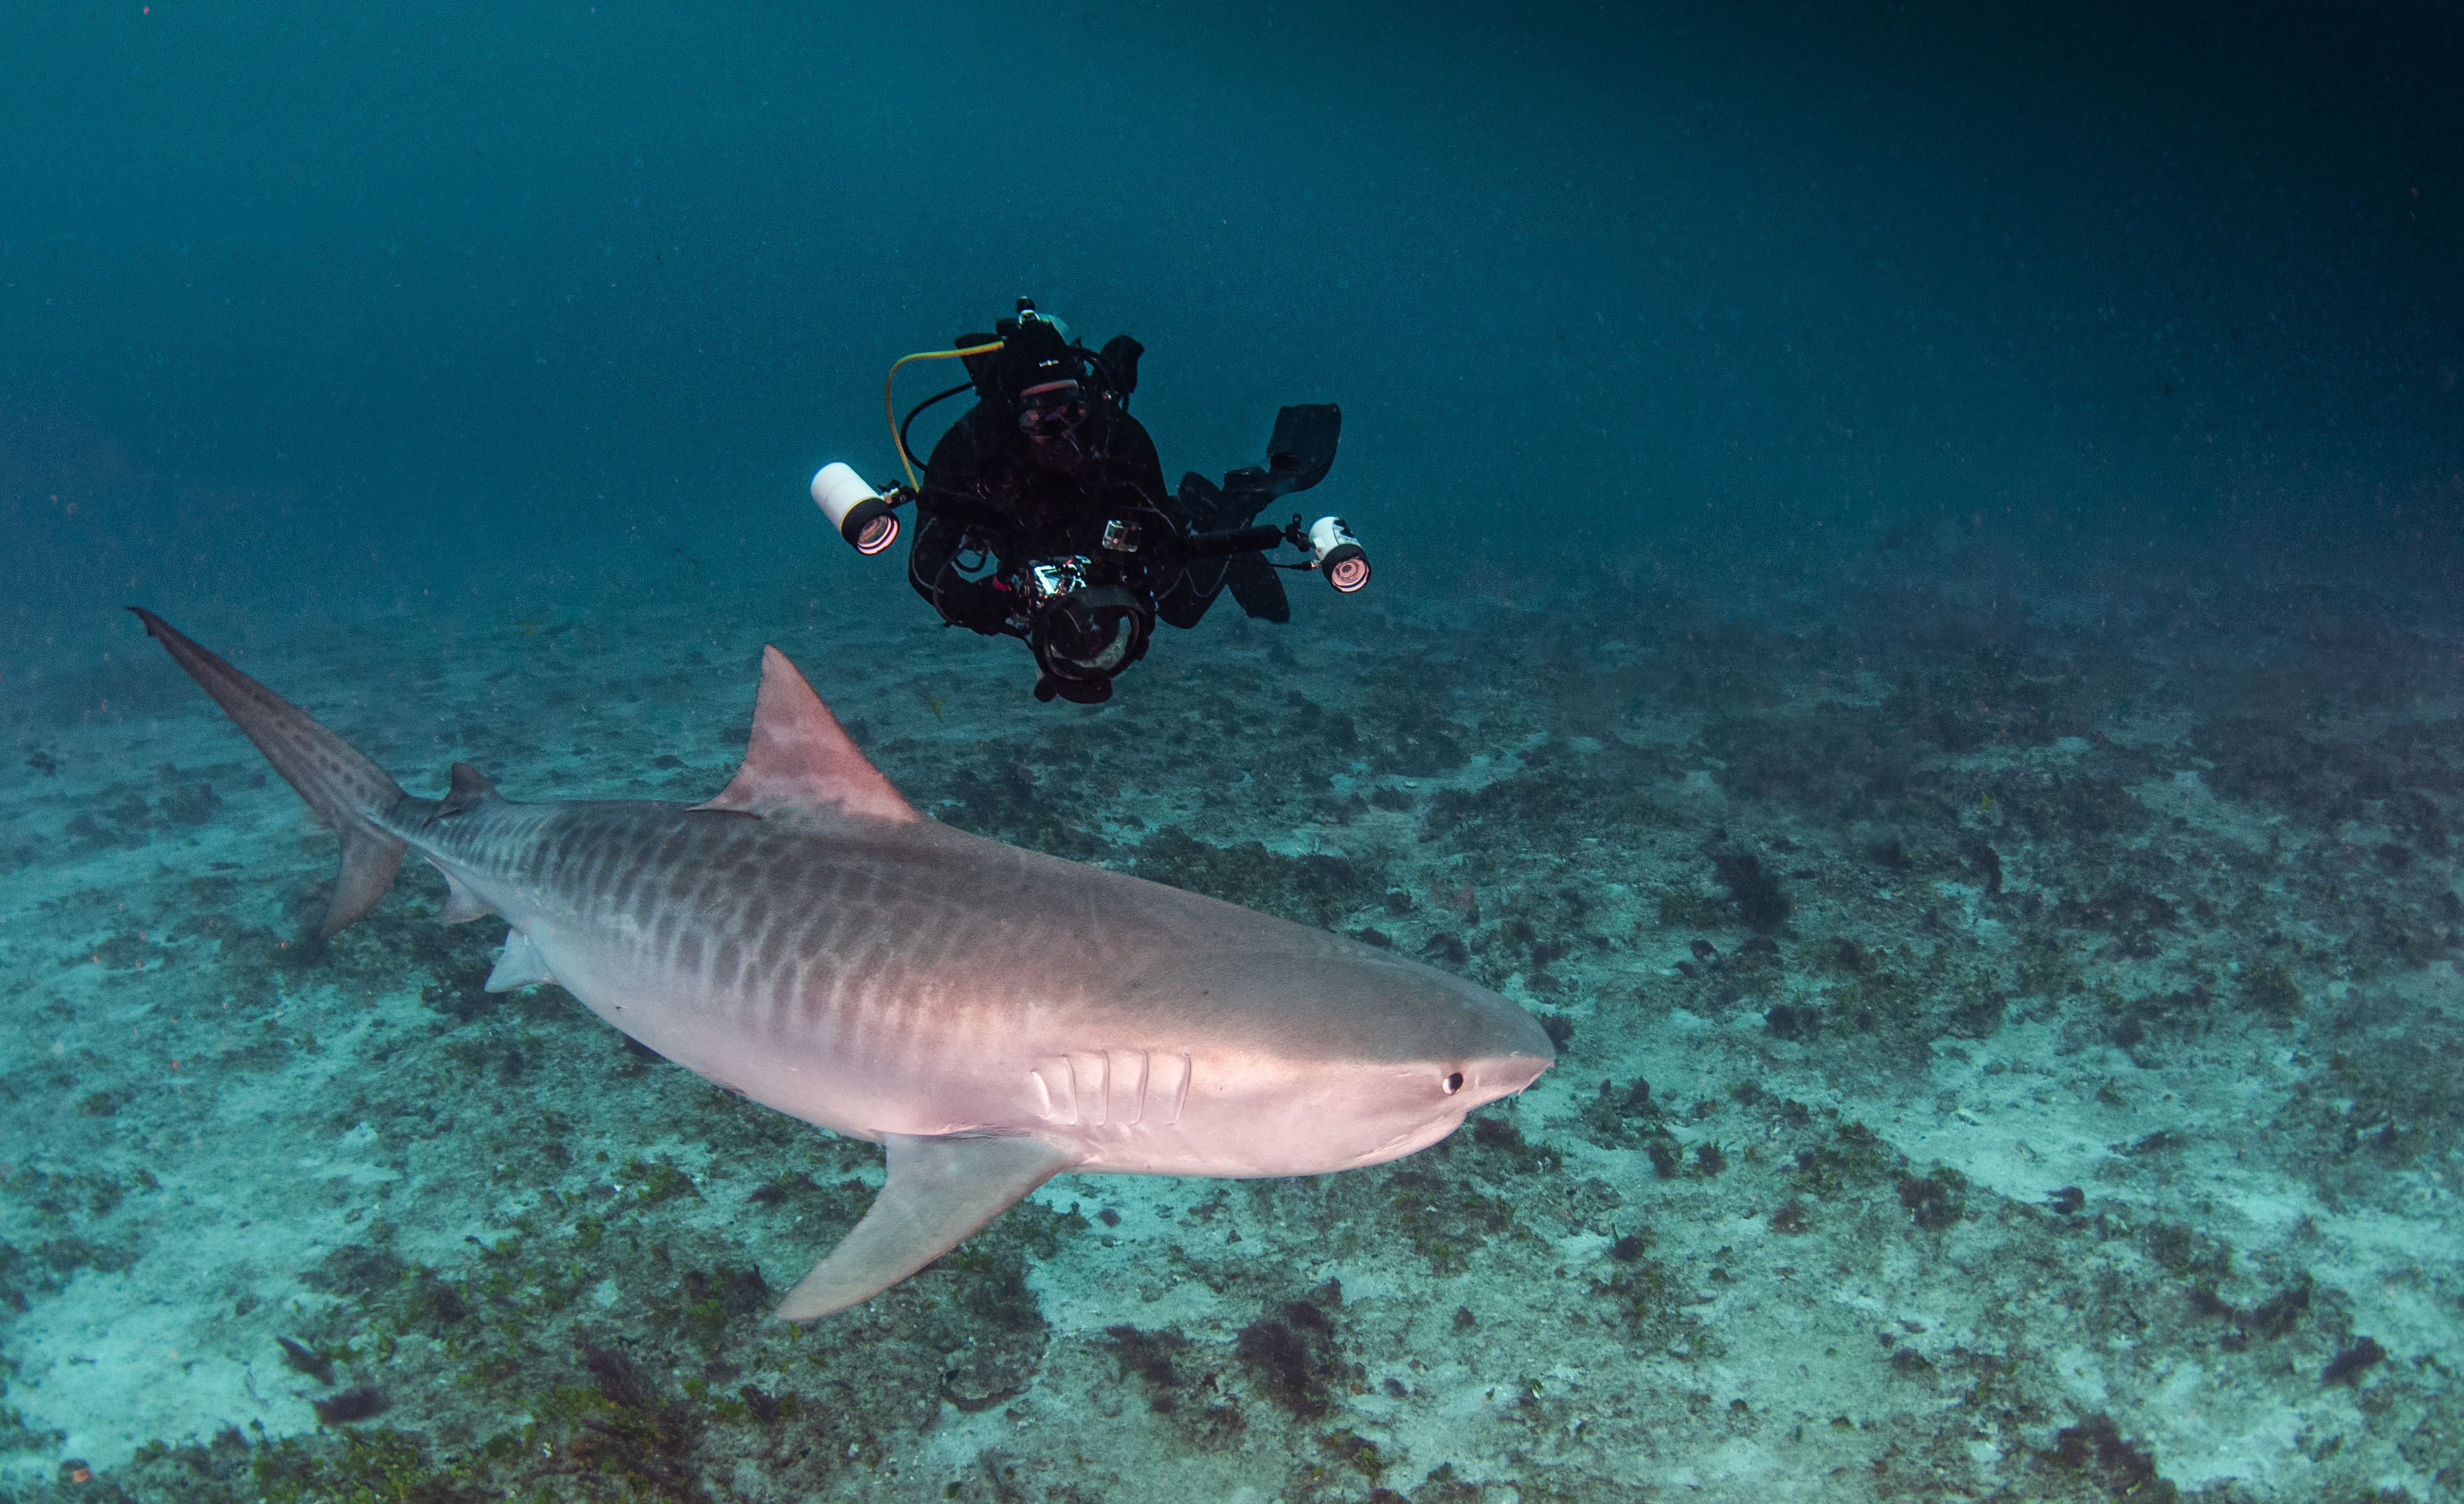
point(1339, 554)
point(855, 509)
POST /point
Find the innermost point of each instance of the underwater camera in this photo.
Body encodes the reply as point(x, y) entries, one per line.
point(1081, 633)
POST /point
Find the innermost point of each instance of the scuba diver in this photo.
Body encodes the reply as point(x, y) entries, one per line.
point(1042, 513)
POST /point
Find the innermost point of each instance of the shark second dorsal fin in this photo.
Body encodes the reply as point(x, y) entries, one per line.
point(939, 1191)
point(799, 758)
point(471, 789)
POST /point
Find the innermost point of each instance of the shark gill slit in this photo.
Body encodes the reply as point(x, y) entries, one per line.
point(1182, 1070)
point(1096, 1092)
point(1055, 1090)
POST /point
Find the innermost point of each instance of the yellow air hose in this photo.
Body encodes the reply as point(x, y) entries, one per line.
point(889, 408)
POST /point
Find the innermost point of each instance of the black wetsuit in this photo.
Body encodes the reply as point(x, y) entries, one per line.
point(986, 486)
point(995, 503)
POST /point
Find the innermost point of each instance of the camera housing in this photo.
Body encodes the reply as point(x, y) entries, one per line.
point(1082, 627)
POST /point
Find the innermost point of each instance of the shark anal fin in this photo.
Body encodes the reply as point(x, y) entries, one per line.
point(461, 904)
point(519, 965)
point(799, 758)
point(939, 1190)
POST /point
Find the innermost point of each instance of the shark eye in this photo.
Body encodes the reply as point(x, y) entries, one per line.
point(1454, 1084)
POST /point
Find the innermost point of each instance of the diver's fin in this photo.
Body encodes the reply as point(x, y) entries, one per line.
point(349, 793)
point(1184, 601)
point(939, 1190)
point(1257, 587)
point(1201, 505)
point(1301, 448)
point(519, 965)
point(1252, 579)
point(1298, 455)
point(1184, 605)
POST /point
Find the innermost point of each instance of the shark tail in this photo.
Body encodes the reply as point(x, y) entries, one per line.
point(349, 793)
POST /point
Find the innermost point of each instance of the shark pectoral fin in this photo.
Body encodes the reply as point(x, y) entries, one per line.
point(939, 1190)
point(519, 965)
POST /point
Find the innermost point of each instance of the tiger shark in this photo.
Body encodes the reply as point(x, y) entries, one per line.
point(991, 1016)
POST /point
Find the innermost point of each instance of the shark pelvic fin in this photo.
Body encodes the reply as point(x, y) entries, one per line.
point(939, 1190)
point(799, 758)
point(519, 965)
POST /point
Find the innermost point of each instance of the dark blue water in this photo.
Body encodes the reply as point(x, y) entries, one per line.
point(1917, 550)
point(337, 303)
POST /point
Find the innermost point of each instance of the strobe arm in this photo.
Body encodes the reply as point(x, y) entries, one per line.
point(1235, 540)
point(1332, 549)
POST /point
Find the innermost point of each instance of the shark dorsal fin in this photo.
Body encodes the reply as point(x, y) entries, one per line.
point(798, 756)
point(471, 789)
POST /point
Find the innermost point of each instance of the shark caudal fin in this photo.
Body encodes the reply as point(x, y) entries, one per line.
point(346, 791)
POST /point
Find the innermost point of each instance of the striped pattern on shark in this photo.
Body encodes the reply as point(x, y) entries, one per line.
point(991, 1016)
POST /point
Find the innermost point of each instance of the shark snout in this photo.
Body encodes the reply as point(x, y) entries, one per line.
point(1509, 1049)
point(1505, 1075)
point(1503, 1072)
point(1485, 1045)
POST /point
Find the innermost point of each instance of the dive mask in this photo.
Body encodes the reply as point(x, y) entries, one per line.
point(1052, 409)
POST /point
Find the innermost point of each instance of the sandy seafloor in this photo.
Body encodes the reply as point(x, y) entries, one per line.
point(2043, 1001)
